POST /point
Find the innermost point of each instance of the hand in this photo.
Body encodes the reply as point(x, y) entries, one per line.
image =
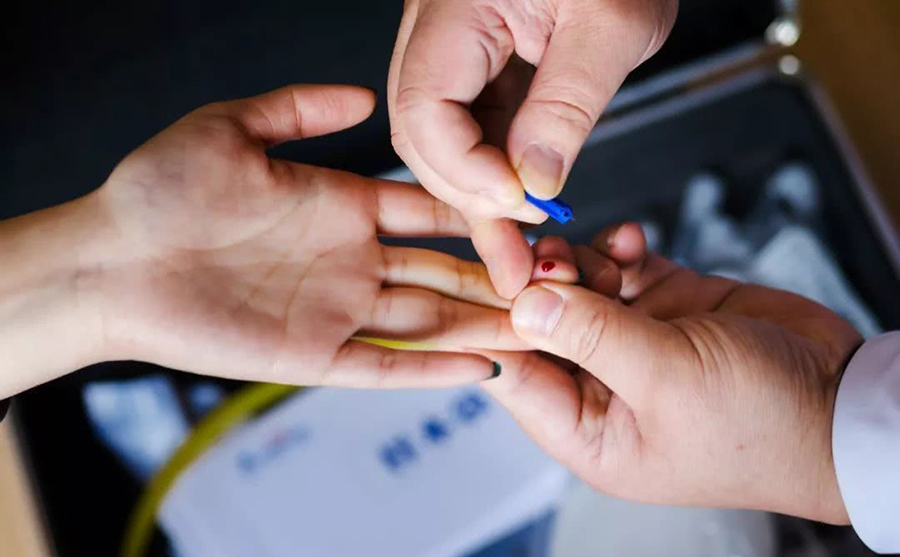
point(203, 254)
point(701, 391)
point(475, 122)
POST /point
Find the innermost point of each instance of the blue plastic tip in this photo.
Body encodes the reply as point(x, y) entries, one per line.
point(556, 209)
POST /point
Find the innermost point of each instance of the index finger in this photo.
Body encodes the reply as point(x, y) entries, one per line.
point(452, 53)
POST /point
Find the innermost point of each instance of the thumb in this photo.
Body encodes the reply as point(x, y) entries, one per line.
point(584, 64)
point(623, 348)
point(300, 111)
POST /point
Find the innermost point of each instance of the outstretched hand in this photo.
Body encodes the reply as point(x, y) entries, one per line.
point(228, 262)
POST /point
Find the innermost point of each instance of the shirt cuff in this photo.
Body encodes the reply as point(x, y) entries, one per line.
point(866, 442)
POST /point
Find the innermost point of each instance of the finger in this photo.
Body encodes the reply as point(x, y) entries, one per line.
point(363, 365)
point(554, 260)
point(683, 292)
point(300, 111)
point(496, 106)
point(640, 277)
point(504, 250)
point(463, 280)
point(555, 270)
point(592, 49)
point(422, 316)
point(553, 247)
point(409, 210)
point(557, 409)
point(640, 270)
point(599, 273)
point(620, 346)
point(452, 53)
point(624, 243)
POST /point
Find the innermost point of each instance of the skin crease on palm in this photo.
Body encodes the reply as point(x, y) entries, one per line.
point(689, 390)
point(206, 255)
point(488, 97)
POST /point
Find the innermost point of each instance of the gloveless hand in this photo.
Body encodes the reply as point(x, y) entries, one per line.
point(488, 96)
point(686, 389)
point(201, 253)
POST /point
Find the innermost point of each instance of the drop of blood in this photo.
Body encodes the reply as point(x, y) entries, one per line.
point(547, 266)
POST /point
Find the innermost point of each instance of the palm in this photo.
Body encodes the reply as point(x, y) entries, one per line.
point(258, 268)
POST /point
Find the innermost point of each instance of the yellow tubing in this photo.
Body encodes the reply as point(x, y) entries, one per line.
point(238, 408)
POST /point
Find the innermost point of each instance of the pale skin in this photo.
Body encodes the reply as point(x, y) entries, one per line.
point(492, 98)
point(688, 390)
point(203, 254)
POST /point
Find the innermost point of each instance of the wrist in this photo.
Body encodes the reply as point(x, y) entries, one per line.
point(51, 314)
point(824, 502)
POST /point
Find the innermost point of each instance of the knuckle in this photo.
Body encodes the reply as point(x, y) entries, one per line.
point(491, 34)
point(649, 21)
point(409, 97)
point(447, 316)
point(589, 334)
point(387, 362)
point(659, 19)
point(567, 105)
point(398, 142)
point(607, 279)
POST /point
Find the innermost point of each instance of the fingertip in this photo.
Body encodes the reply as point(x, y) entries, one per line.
point(555, 270)
point(358, 101)
point(625, 243)
point(629, 244)
point(301, 111)
point(554, 247)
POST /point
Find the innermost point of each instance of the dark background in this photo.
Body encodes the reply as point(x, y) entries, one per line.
point(89, 82)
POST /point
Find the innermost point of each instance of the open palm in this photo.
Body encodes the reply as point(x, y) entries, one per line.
point(235, 264)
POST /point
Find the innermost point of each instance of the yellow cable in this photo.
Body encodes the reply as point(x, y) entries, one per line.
point(397, 344)
point(238, 408)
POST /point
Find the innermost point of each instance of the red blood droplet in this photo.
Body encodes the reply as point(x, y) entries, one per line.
point(547, 266)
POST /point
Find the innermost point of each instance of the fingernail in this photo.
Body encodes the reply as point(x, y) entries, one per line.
point(537, 311)
point(611, 239)
point(497, 369)
point(548, 266)
point(541, 171)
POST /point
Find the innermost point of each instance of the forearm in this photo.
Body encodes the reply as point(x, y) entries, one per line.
point(50, 317)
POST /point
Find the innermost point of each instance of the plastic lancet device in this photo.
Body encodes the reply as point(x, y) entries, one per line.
point(558, 210)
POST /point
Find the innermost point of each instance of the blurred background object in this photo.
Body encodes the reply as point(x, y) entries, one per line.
point(748, 153)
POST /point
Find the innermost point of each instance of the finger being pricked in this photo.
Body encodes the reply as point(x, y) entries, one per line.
point(554, 260)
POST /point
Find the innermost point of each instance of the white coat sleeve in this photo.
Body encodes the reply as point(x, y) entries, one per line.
point(866, 442)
